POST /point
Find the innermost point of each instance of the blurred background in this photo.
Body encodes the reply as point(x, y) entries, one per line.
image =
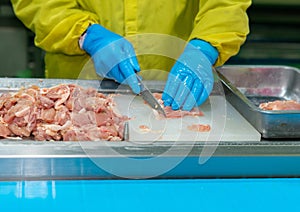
point(274, 39)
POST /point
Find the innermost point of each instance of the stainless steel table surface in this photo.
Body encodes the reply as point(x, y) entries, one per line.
point(106, 160)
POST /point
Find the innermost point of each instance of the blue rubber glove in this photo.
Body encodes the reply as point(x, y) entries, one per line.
point(191, 80)
point(113, 56)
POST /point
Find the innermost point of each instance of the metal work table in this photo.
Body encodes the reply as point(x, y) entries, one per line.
point(59, 176)
point(33, 160)
point(69, 160)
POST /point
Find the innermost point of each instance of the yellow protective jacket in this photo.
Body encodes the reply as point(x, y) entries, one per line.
point(157, 29)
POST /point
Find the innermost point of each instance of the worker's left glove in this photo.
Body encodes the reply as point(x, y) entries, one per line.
point(191, 80)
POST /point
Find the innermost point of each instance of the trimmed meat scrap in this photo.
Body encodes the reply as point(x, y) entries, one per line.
point(144, 128)
point(199, 127)
point(280, 105)
point(170, 113)
point(65, 112)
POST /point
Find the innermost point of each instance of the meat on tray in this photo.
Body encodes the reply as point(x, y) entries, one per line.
point(65, 112)
point(280, 105)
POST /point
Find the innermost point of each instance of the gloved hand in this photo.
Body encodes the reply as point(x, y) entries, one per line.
point(191, 80)
point(113, 56)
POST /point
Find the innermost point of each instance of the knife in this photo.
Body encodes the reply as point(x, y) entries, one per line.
point(149, 98)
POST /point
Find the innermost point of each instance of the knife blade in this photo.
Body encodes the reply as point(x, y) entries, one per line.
point(149, 98)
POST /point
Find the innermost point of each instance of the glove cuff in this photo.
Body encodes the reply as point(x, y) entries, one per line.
point(93, 38)
point(207, 49)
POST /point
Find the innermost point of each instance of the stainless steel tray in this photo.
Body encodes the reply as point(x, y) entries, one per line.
point(14, 84)
point(248, 86)
point(105, 86)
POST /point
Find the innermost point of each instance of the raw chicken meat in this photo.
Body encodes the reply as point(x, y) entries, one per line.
point(65, 112)
point(170, 113)
point(280, 105)
point(144, 128)
point(199, 127)
point(181, 113)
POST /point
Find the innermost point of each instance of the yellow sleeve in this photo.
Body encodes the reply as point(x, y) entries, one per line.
point(224, 24)
point(57, 24)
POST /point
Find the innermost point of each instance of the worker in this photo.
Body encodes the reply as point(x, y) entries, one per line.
point(72, 32)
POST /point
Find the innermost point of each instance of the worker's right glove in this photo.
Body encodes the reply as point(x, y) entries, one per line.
point(113, 56)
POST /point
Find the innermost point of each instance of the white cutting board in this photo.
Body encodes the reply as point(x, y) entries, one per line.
point(226, 123)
